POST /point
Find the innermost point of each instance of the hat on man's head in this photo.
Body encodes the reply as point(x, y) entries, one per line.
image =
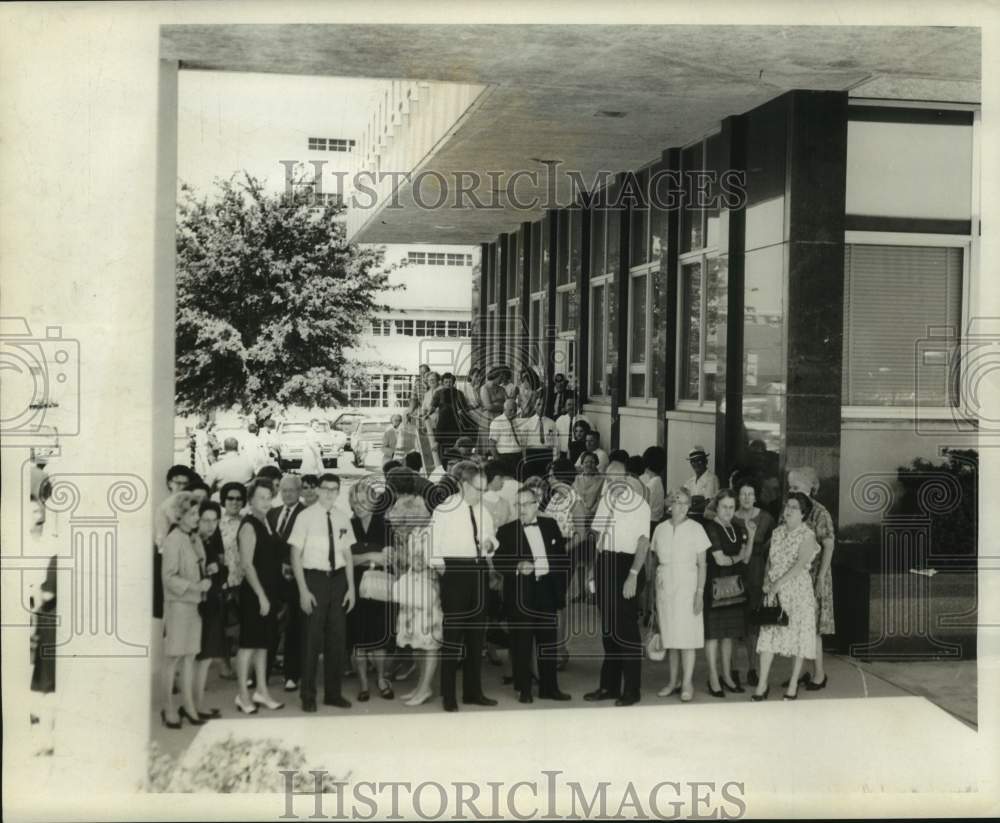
point(696, 452)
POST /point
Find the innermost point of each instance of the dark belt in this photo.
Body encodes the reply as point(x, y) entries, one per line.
point(326, 573)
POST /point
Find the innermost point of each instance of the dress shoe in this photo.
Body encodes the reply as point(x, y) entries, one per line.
point(756, 698)
point(211, 714)
point(813, 686)
point(600, 694)
point(194, 721)
point(687, 695)
point(554, 695)
point(714, 693)
point(308, 705)
point(482, 700)
point(169, 723)
point(243, 707)
point(363, 696)
point(630, 700)
point(450, 706)
point(791, 696)
point(667, 691)
point(806, 678)
point(266, 702)
point(338, 701)
point(385, 691)
point(737, 689)
point(525, 697)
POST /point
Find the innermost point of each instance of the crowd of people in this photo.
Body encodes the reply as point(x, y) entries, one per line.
point(500, 514)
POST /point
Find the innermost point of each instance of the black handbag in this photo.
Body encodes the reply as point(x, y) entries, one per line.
point(764, 615)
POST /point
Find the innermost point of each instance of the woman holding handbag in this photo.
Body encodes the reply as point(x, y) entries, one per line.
point(725, 592)
point(370, 622)
point(679, 546)
point(788, 584)
point(214, 643)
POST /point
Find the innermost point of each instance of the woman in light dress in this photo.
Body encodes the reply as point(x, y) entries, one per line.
point(419, 624)
point(679, 545)
point(184, 586)
point(788, 584)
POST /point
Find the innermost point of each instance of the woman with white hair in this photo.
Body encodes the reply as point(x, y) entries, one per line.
point(679, 545)
point(806, 480)
point(184, 586)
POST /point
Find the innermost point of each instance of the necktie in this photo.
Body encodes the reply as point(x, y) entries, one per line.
point(333, 547)
point(282, 520)
point(475, 534)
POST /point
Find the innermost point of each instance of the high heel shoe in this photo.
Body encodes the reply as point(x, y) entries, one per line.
point(194, 721)
point(714, 693)
point(267, 703)
point(814, 686)
point(737, 689)
point(167, 723)
point(787, 696)
point(251, 709)
point(418, 700)
point(756, 698)
point(668, 691)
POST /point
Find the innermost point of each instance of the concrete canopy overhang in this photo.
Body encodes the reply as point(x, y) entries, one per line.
point(547, 86)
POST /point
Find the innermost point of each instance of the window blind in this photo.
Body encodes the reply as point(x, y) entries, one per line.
point(893, 296)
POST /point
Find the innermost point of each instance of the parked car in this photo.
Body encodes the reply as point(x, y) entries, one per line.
point(291, 436)
point(346, 422)
point(366, 441)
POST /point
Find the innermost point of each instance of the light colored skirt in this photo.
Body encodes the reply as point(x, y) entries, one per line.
point(182, 626)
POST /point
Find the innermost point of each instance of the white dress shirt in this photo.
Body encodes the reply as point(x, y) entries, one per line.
point(535, 434)
point(537, 544)
point(452, 534)
point(507, 434)
point(655, 495)
point(622, 516)
point(310, 535)
point(707, 485)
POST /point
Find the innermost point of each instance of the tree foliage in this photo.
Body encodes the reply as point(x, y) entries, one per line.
point(270, 300)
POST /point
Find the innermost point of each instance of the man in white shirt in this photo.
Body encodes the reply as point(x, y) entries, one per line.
point(506, 440)
point(621, 525)
point(703, 485)
point(539, 431)
point(565, 423)
point(462, 541)
point(324, 573)
point(232, 467)
point(392, 440)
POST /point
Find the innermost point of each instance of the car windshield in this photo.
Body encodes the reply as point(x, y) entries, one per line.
point(375, 426)
point(346, 423)
point(295, 428)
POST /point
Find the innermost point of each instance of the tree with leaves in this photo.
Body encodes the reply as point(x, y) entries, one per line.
point(270, 299)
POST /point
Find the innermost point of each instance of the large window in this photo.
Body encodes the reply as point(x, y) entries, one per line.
point(598, 336)
point(638, 342)
point(701, 311)
point(897, 299)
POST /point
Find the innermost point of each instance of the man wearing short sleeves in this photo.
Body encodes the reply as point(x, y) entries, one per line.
point(621, 525)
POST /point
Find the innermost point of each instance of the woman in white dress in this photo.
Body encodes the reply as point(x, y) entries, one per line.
point(680, 545)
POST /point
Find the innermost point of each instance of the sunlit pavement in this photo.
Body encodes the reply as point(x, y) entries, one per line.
point(847, 679)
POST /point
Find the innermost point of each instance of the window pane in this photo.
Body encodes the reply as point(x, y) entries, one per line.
point(637, 385)
point(893, 296)
point(691, 216)
point(543, 279)
point(637, 347)
point(519, 261)
point(562, 255)
point(597, 337)
point(597, 261)
point(566, 310)
point(536, 255)
point(576, 238)
point(715, 322)
point(614, 219)
point(639, 251)
point(690, 330)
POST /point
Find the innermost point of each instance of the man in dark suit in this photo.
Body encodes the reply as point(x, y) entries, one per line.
point(533, 561)
point(281, 519)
